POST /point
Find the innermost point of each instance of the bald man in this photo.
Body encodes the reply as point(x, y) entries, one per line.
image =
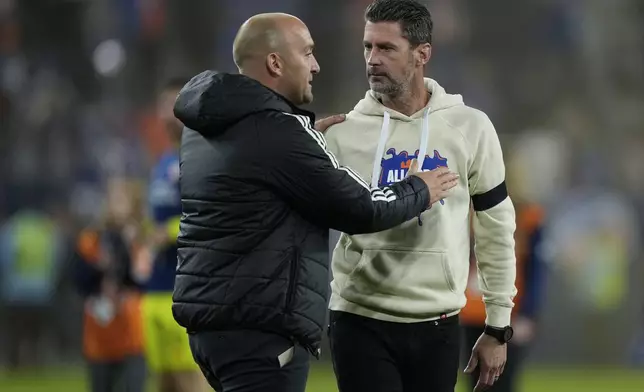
point(259, 192)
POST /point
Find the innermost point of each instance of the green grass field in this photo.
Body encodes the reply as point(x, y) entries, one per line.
point(321, 380)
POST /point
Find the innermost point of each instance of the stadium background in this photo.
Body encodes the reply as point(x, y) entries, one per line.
point(563, 81)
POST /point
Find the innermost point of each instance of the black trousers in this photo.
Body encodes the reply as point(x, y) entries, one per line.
point(508, 380)
point(372, 355)
point(250, 361)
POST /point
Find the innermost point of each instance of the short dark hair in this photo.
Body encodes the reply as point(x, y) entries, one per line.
point(414, 18)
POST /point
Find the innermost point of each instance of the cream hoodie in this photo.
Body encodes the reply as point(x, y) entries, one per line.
point(419, 270)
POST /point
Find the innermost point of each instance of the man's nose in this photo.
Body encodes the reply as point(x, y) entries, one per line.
point(315, 67)
point(373, 58)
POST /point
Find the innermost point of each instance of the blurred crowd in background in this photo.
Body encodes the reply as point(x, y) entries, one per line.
point(562, 80)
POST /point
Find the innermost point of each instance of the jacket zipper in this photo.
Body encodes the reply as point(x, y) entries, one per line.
point(294, 272)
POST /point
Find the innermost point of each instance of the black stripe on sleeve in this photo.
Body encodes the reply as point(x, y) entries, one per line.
point(491, 198)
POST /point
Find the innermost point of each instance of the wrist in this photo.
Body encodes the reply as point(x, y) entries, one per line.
point(501, 335)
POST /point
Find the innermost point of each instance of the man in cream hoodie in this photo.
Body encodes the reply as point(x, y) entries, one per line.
point(396, 294)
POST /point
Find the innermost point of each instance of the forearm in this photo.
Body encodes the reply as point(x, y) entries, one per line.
point(409, 198)
point(495, 252)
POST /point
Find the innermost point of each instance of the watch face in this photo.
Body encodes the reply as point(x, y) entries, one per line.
point(508, 334)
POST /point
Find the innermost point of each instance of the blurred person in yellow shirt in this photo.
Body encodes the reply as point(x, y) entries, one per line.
point(31, 253)
point(166, 342)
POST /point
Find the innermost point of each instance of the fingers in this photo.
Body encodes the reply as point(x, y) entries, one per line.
point(450, 184)
point(486, 379)
point(323, 124)
point(337, 118)
point(488, 376)
point(499, 372)
point(439, 175)
point(449, 180)
point(441, 170)
point(439, 181)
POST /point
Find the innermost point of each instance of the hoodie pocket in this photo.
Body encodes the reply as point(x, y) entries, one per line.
point(423, 276)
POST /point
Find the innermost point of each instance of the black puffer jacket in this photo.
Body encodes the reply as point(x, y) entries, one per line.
point(259, 192)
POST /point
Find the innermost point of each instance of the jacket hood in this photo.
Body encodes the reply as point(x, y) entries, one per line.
point(212, 101)
point(370, 106)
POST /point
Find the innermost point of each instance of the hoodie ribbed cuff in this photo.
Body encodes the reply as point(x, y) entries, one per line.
point(497, 316)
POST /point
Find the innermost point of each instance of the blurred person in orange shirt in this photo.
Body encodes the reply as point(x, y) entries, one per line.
point(530, 272)
point(112, 327)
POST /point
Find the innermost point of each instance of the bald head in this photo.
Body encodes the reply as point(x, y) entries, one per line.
point(262, 34)
point(277, 50)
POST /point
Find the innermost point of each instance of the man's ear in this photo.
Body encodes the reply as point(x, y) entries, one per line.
point(274, 64)
point(424, 53)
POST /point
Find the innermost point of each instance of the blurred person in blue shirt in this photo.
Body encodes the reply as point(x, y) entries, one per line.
point(166, 343)
point(30, 256)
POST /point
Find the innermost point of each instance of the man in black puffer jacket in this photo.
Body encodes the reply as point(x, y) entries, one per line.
point(259, 193)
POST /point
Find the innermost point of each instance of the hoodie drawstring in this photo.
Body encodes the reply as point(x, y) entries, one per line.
point(380, 151)
point(382, 144)
point(424, 139)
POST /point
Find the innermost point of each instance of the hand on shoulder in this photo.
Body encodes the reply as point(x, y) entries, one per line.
point(323, 124)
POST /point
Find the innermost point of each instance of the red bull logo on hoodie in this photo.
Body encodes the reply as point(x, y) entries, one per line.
point(394, 166)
